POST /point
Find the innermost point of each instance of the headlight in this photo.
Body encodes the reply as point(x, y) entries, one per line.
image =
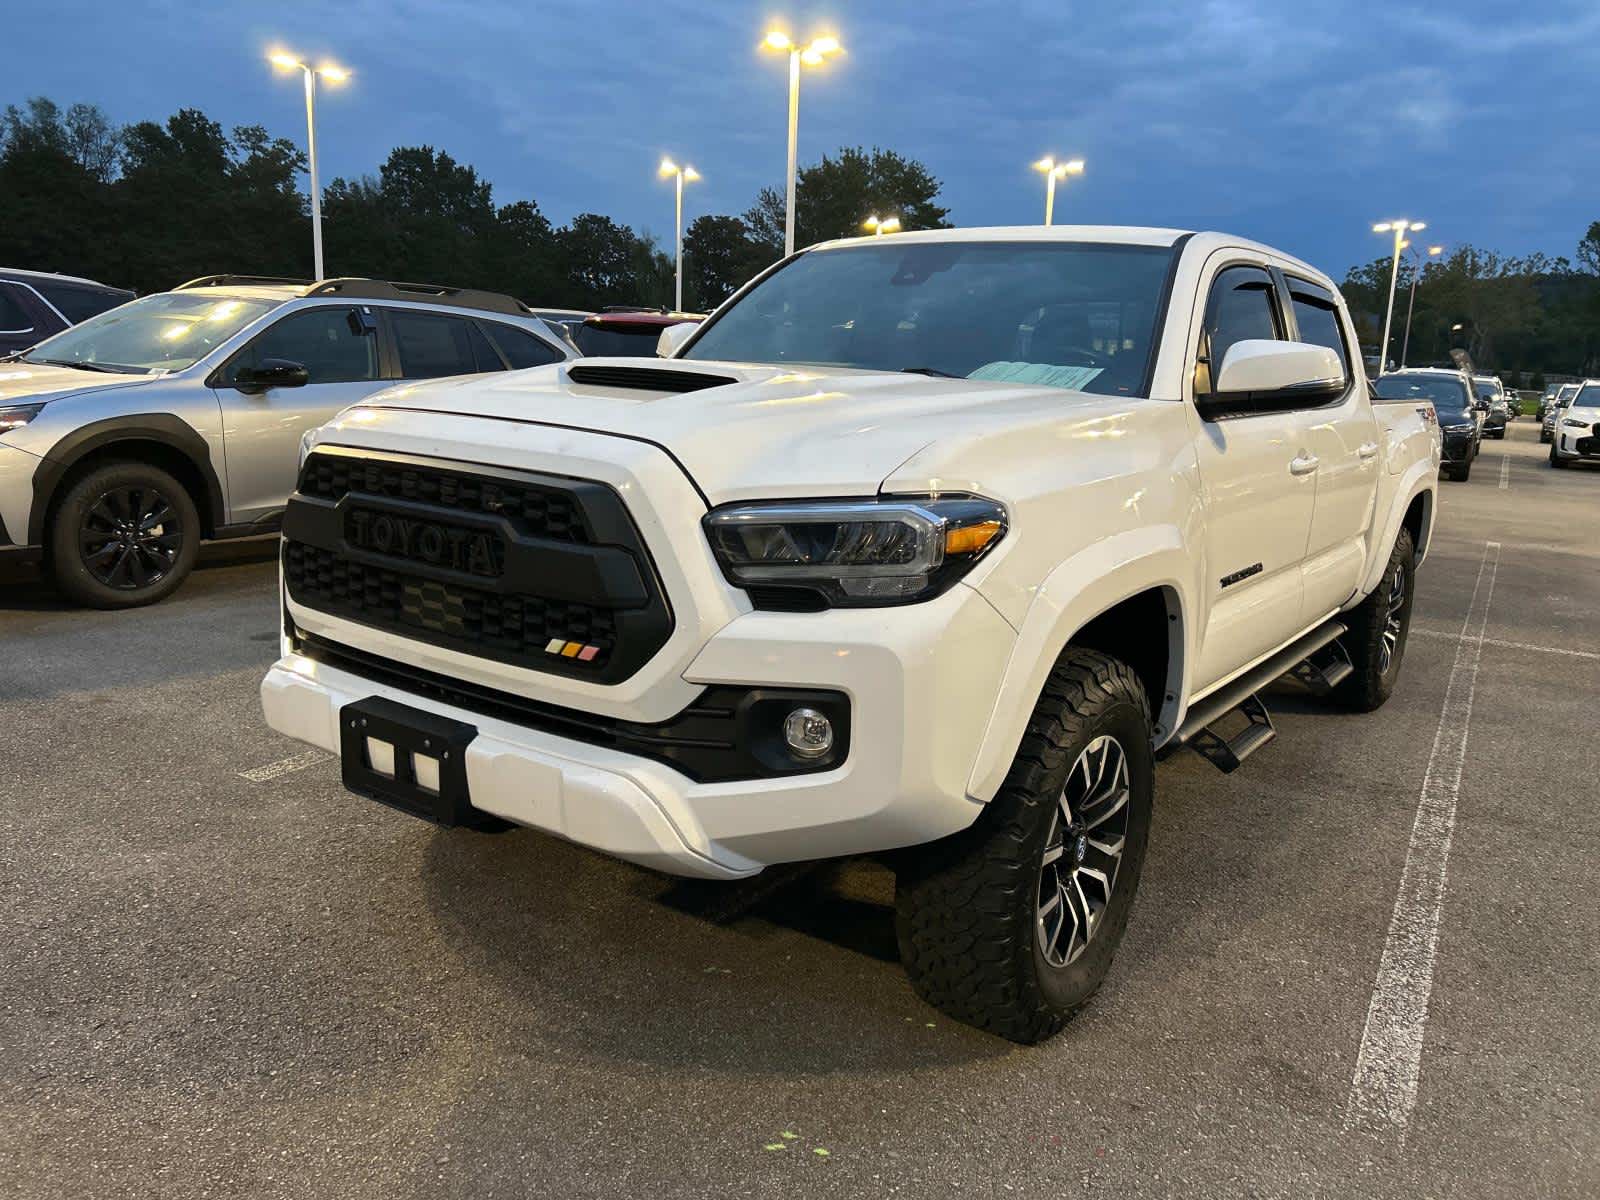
point(18, 415)
point(1467, 428)
point(856, 553)
point(1571, 424)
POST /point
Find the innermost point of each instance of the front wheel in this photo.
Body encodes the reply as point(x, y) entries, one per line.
point(1378, 626)
point(1462, 471)
point(1555, 459)
point(125, 534)
point(1011, 925)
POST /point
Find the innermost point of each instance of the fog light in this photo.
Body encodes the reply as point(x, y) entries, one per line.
point(808, 732)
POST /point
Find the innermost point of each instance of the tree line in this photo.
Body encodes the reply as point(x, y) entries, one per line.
point(151, 204)
point(1523, 318)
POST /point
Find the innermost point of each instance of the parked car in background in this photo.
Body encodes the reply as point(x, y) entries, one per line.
point(35, 305)
point(1491, 393)
point(127, 439)
point(1545, 400)
point(632, 333)
point(1577, 430)
point(928, 547)
point(1455, 404)
point(1552, 413)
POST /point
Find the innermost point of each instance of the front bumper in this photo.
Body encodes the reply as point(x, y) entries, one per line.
point(920, 679)
point(17, 468)
point(1576, 443)
point(1457, 448)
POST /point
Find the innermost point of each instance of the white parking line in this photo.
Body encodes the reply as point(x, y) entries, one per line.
point(1505, 471)
point(1383, 1091)
point(285, 766)
point(1501, 644)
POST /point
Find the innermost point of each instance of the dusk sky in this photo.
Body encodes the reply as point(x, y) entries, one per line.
point(1297, 124)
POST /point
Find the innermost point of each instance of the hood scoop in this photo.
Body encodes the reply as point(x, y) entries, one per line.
point(645, 379)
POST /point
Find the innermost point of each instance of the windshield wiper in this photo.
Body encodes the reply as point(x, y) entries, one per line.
point(934, 371)
point(80, 366)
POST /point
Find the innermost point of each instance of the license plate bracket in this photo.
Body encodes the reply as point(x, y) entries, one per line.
point(367, 726)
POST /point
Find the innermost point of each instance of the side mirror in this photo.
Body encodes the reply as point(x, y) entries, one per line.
point(673, 337)
point(271, 373)
point(1260, 375)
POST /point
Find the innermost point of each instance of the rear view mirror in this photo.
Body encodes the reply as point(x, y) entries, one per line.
point(673, 337)
point(1261, 374)
point(271, 373)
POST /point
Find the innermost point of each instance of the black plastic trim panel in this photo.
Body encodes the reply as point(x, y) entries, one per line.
point(726, 734)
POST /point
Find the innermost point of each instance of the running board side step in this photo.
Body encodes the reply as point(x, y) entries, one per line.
point(1239, 696)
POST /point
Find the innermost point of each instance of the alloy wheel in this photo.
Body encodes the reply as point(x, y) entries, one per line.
point(1083, 851)
point(1394, 608)
point(129, 537)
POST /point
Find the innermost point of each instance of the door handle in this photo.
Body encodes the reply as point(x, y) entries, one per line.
point(1368, 450)
point(1303, 464)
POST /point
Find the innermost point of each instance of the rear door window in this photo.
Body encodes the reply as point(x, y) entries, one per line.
point(433, 345)
point(1316, 313)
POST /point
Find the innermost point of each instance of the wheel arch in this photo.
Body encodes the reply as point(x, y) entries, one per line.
point(159, 439)
point(1413, 507)
point(1128, 597)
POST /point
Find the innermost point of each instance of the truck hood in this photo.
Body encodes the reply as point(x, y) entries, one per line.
point(25, 383)
point(743, 430)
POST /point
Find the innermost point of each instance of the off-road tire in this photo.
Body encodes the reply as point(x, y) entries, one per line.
point(967, 906)
point(70, 563)
point(1372, 682)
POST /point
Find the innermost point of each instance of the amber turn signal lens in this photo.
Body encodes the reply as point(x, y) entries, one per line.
point(971, 538)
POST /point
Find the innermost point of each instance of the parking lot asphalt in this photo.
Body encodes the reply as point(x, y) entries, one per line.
point(220, 975)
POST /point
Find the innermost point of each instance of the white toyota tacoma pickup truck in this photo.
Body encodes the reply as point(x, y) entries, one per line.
point(930, 543)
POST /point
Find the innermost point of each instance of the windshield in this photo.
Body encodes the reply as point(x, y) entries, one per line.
point(1488, 389)
point(1054, 314)
point(165, 332)
point(1448, 395)
point(1568, 391)
point(1588, 397)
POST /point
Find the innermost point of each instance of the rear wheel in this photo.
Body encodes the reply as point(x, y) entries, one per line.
point(123, 535)
point(1011, 925)
point(1378, 626)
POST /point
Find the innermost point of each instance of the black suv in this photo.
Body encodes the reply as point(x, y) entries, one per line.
point(1460, 417)
point(35, 305)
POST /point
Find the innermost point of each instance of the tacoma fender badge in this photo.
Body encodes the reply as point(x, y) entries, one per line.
point(1239, 576)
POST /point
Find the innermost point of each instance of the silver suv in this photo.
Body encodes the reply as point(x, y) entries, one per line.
point(127, 439)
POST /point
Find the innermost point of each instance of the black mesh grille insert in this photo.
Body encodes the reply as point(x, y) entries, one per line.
point(533, 510)
point(535, 570)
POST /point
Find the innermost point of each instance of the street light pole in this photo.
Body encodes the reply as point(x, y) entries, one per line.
point(1052, 172)
point(683, 174)
point(1405, 343)
point(813, 55)
point(333, 74)
point(1400, 229)
point(311, 163)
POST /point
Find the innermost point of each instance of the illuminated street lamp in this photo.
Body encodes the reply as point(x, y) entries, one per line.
point(879, 228)
point(1052, 172)
point(812, 55)
point(1399, 228)
point(1405, 344)
point(681, 175)
point(333, 74)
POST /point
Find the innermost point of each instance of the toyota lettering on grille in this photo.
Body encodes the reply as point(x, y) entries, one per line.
point(472, 551)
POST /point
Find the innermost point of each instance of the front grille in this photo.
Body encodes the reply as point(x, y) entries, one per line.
point(509, 627)
point(541, 572)
point(534, 511)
